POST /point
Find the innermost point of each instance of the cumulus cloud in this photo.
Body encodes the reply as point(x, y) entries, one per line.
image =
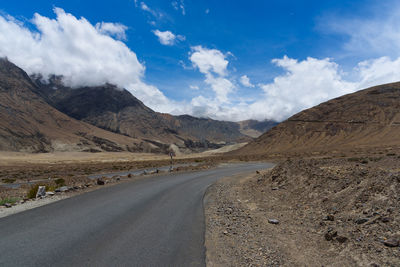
point(245, 81)
point(83, 54)
point(302, 85)
point(113, 29)
point(167, 37)
point(213, 64)
point(194, 87)
point(209, 60)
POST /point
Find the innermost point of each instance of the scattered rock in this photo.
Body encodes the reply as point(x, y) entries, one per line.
point(50, 193)
point(100, 182)
point(225, 232)
point(41, 191)
point(341, 239)
point(330, 235)
point(7, 205)
point(385, 219)
point(273, 221)
point(361, 221)
point(330, 217)
point(391, 242)
point(119, 178)
point(63, 189)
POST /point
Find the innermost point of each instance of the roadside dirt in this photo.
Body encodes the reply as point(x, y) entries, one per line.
point(329, 212)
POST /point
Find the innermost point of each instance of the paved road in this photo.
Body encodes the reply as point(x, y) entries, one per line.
point(157, 221)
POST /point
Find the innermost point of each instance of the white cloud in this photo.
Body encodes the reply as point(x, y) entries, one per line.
point(194, 87)
point(84, 54)
point(114, 29)
point(167, 37)
point(221, 86)
point(209, 60)
point(207, 11)
point(245, 81)
point(303, 84)
point(377, 34)
point(146, 8)
point(213, 64)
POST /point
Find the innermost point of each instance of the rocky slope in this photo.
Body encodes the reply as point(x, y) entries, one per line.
point(28, 123)
point(313, 212)
point(366, 119)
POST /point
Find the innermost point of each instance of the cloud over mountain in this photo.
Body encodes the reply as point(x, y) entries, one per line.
point(86, 55)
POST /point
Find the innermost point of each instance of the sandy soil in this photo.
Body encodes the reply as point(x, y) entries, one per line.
point(331, 212)
point(19, 158)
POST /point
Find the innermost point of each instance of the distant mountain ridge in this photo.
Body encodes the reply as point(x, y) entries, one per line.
point(365, 119)
point(117, 110)
point(39, 116)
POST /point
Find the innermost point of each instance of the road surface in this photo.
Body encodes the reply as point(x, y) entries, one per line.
point(156, 221)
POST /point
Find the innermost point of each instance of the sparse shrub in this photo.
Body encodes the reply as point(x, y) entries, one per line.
point(353, 159)
point(391, 154)
point(8, 180)
point(33, 190)
point(364, 161)
point(60, 182)
point(375, 159)
point(11, 200)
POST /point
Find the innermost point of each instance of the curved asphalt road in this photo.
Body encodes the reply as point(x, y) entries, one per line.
point(157, 221)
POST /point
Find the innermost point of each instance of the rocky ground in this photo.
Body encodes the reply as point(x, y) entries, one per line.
point(308, 212)
point(68, 179)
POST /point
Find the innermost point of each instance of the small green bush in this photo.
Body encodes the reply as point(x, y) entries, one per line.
point(8, 180)
point(11, 200)
point(60, 182)
point(33, 190)
point(353, 159)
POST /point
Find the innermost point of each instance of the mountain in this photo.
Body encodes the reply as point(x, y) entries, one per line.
point(256, 128)
point(29, 123)
point(117, 110)
point(368, 118)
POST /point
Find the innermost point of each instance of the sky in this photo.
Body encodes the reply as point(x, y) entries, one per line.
point(226, 60)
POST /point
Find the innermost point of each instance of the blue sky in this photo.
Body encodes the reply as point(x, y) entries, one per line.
point(229, 60)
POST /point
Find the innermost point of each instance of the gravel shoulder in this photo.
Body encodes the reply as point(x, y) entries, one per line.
point(314, 212)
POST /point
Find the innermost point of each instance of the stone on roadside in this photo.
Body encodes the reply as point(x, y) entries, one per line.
point(391, 242)
point(100, 182)
point(41, 192)
point(330, 235)
point(63, 189)
point(7, 205)
point(50, 193)
point(341, 239)
point(330, 217)
point(273, 221)
point(361, 221)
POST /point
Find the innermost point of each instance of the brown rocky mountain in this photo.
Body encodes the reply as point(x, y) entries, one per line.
point(366, 119)
point(28, 123)
point(117, 110)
